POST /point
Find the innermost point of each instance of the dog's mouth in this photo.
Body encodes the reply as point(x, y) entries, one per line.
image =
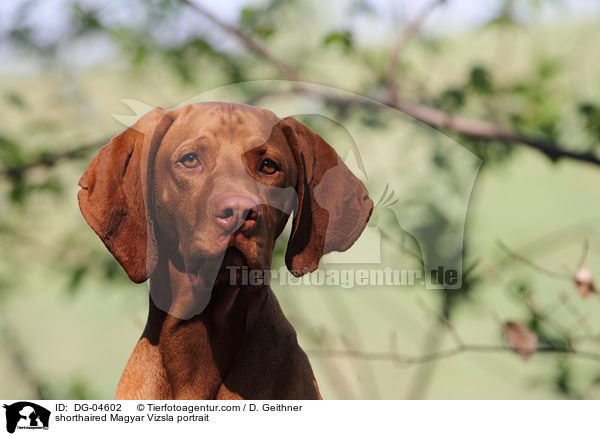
point(233, 262)
point(233, 259)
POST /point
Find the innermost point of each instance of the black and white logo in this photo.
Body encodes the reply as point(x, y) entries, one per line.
point(26, 415)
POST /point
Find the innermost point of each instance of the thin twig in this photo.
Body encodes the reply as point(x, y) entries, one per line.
point(429, 115)
point(453, 332)
point(444, 354)
point(579, 319)
point(402, 245)
point(21, 362)
point(250, 43)
point(50, 159)
point(400, 46)
point(540, 269)
point(434, 117)
point(439, 119)
point(485, 130)
point(584, 253)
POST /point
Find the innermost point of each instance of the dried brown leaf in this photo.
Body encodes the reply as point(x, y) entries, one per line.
point(520, 339)
point(583, 279)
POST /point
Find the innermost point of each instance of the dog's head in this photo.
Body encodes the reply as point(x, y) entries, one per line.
point(212, 185)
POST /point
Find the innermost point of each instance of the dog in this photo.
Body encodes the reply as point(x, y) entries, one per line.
point(189, 199)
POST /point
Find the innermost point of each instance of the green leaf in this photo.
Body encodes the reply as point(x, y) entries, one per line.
point(11, 154)
point(85, 21)
point(15, 99)
point(18, 190)
point(343, 38)
point(523, 290)
point(77, 277)
point(591, 116)
point(480, 80)
point(548, 68)
point(257, 22)
point(452, 99)
point(80, 390)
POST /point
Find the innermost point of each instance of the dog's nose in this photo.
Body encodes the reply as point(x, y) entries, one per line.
point(236, 212)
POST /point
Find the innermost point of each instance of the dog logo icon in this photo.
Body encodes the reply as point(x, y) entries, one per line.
point(26, 415)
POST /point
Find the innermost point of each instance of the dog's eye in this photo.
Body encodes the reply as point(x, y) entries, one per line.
point(190, 160)
point(268, 167)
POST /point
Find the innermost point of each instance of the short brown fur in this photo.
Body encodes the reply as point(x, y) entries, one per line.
point(207, 337)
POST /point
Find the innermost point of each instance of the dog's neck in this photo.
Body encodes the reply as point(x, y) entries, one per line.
point(197, 352)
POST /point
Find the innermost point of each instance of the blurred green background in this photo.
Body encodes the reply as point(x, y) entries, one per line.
point(69, 317)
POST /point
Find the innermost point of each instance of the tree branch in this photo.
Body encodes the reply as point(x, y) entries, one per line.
point(400, 46)
point(250, 43)
point(540, 269)
point(403, 359)
point(429, 115)
point(485, 130)
point(434, 117)
point(20, 361)
point(51, 159)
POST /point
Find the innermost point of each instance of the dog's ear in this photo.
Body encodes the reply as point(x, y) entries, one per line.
point(333, 204)
point(114, 194)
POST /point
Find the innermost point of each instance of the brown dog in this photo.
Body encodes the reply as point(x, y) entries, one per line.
point(189, 197)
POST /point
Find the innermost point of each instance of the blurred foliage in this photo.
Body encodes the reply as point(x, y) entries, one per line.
point(342, 38)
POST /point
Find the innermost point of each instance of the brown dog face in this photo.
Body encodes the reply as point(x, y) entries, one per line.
point(211, 185)
point(224, 185)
